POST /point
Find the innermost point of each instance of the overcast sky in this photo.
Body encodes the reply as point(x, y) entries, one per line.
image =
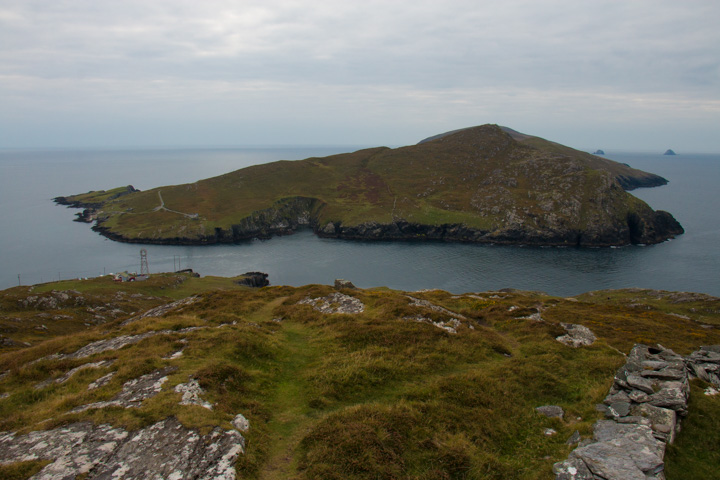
point(618, 75)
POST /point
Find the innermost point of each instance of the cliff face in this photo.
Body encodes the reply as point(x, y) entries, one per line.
point(485, 184)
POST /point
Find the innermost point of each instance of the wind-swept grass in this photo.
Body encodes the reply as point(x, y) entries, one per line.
point(369, 395)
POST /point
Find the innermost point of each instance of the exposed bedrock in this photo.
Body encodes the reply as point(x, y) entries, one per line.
point(652, 227)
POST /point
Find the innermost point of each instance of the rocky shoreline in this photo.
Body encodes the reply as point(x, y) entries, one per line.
point(636, 231)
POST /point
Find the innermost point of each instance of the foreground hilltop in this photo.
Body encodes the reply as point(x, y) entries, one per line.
point(485, 184)
point(186, 377)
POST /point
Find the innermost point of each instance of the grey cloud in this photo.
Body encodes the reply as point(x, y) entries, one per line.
point(110, 56)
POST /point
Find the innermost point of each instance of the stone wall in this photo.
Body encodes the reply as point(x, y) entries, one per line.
point(644, 407)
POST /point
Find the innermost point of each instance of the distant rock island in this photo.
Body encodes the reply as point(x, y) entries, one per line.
point(598, 152)
point(669, 152)
point(485, 184)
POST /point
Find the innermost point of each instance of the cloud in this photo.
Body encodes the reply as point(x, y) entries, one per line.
point(373, 61)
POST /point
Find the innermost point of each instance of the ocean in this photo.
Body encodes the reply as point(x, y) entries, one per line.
point(39, 242)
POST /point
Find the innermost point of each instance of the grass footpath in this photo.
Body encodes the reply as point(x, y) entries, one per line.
point(292, 414)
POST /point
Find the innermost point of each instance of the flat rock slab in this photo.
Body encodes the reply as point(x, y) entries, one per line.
point(418, 302)
point(164, 450)
point(622, 452)
point(163, 309)
point(114, 343)
point(134, 392)
point(449, 326)
point(64, 378)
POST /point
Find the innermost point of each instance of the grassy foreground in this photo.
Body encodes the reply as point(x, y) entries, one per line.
point(371, 395)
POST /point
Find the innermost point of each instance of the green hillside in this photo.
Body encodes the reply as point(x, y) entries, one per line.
point(389, 384)
point(482, 184)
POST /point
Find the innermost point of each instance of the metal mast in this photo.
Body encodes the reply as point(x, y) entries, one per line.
point(144, 270)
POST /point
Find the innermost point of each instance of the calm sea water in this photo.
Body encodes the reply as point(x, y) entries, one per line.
point(40, 243)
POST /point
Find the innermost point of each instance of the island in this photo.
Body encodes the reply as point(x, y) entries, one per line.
point(669, 152)
point(598, 152)
point(486, 184)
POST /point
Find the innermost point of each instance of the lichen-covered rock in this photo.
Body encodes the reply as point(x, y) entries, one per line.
point(164, 309)
point(418, 302)
point(572, 469)
point(449, 326)
point(191, 392)
point(102, 381)
point(336, 302)
point(622, 452)
point(341, 284)
point(134, 392)
point(577, 335)
point(241, 423)
point(165, 450)
point(64, 378)
point(114, 343)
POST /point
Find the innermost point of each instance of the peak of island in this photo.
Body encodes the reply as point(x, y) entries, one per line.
point(484, 184)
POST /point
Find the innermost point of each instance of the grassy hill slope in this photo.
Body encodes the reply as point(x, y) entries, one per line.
point(377, 393)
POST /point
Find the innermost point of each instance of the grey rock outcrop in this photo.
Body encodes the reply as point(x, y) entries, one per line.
point(577, 335)
point(341, 284)
point(449, 326)
point(336, 302)
point(254, 280)
point(705, 364)
point(65, 377)
point(418, 302)
point(164, 309)
point(134, 392)
point(114, 343)
point(164, 450)
point(191, 392)
point(551, 411)
point(241, 423)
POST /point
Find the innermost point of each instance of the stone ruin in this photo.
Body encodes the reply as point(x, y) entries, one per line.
point(648, 398)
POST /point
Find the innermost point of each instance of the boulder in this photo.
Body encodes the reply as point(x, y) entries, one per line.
point(577, 335)
point(341, 284)
point(241, 423)
point(253, 279)
point(551, 411)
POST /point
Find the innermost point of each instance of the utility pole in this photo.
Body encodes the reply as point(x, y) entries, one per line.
point(19, 280)
point(144, 270)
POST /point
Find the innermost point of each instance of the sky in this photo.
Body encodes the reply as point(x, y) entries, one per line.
point(618, 75)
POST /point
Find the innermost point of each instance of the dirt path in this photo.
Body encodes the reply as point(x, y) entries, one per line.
point(163, 207)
